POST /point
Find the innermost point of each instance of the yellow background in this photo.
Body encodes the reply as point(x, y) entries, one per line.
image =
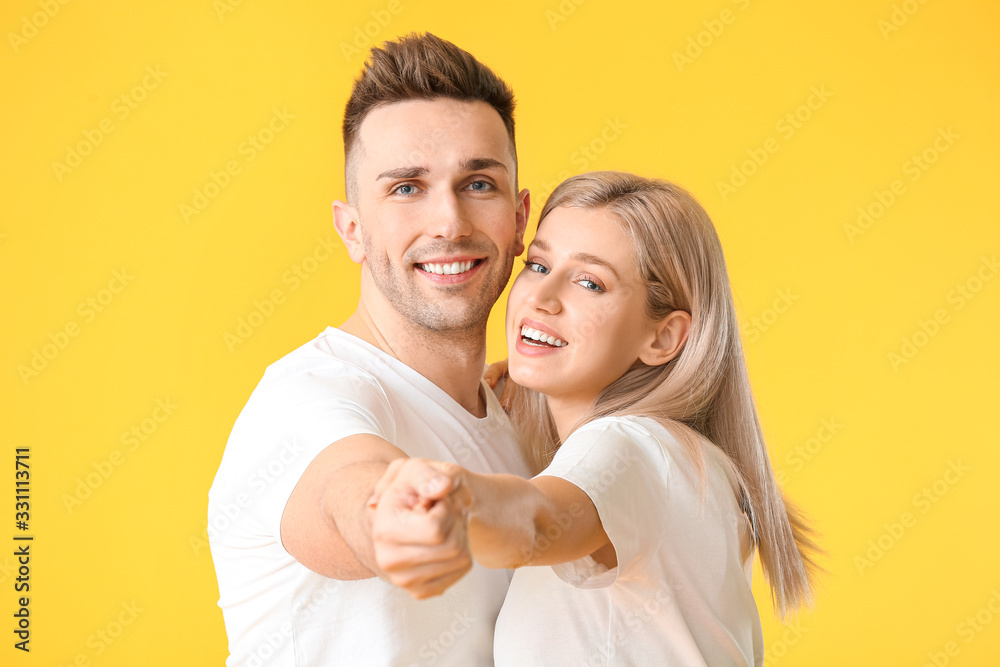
point(831, 306)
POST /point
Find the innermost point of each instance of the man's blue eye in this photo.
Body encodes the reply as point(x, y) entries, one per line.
point(405, 189)
point(480, 186)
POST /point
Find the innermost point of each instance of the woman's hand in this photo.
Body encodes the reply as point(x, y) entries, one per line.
point(497, 372)
point(420, 526)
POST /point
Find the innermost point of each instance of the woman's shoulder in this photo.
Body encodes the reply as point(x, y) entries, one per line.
point(630, 428)
point(674, 443)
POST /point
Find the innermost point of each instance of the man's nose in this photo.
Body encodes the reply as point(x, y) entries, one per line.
point(449, 220)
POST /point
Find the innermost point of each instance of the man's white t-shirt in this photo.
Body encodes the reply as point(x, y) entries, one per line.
point(277, 611)
point(680, 595)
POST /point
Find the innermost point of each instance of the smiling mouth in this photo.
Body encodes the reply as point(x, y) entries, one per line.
point(536, 338)
point(449, 269)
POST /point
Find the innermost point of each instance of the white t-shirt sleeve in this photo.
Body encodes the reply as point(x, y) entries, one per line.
point(624, 469)
point(316, 409)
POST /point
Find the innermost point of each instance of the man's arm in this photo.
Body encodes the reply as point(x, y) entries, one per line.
point(326, 523)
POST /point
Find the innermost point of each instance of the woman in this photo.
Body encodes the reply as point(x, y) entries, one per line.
point(631, 388)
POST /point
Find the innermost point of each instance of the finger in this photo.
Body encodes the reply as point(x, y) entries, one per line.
point(439, 585)
point(413, 564)
point(508, 394)
point(496, 371)
point(390, 474)
point(425, 528)
point(430, 481)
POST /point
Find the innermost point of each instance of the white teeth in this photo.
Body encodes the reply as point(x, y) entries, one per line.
point(535, 334)
point(447, 269)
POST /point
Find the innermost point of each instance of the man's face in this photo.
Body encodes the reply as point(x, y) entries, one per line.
point(440, 218)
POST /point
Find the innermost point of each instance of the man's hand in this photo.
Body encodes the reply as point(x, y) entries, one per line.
point(420, 526)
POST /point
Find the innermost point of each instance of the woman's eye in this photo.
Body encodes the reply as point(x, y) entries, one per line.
point(535, 266)
point(590, 285)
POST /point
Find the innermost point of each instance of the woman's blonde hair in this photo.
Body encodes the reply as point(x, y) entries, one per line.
point(703, 395)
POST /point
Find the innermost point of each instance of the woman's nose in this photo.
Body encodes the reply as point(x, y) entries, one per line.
point(545, 296)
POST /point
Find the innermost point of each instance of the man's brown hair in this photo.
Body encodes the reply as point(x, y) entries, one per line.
point(420, 67)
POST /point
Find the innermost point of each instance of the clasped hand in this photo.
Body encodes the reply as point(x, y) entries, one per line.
point(420, 526)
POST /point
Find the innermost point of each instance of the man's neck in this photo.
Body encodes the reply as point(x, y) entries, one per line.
point(452, 361)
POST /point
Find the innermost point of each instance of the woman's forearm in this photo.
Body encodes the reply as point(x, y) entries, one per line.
point(515, 521)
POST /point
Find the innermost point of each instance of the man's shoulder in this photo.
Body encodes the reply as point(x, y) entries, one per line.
point(331, 354)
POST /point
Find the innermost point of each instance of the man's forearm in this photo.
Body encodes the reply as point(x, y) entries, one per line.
point(345, 507)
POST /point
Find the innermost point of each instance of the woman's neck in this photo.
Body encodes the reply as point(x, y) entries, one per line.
point(567, 411)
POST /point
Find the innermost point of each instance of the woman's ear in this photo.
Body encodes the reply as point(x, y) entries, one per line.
point(345, 221)
point(668, 339)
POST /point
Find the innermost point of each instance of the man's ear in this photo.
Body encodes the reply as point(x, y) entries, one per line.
point(522, 211)
point(668, 339)
point(345, 220)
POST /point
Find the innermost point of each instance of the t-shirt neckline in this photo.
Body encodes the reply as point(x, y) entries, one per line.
point(441, 394)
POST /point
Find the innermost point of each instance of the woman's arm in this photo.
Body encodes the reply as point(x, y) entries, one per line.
point(511, 521)
point(543, 521)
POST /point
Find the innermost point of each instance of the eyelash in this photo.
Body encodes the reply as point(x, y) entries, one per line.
point(589, 279)
point(395, 190)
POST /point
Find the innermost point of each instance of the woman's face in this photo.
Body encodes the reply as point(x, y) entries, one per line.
point(575, 318)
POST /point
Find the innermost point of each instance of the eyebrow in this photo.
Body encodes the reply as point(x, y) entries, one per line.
point(481, 163)
point(584, 257)
point(402, 172)
point(471, 164)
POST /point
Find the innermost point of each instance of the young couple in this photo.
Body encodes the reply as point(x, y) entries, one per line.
point(375, 492)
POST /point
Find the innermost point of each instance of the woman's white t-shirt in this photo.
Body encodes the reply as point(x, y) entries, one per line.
point(680, 594)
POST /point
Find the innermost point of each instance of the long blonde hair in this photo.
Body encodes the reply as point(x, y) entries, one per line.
point(703, 395)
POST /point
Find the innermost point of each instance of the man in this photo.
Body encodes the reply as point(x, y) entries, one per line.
point(435, 219)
